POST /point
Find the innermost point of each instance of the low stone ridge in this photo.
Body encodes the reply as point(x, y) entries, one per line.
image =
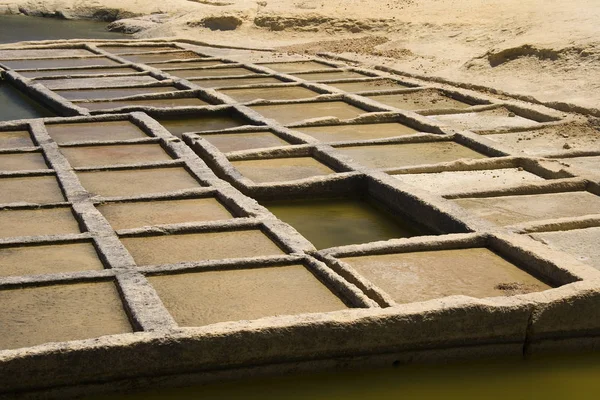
point(252, 212)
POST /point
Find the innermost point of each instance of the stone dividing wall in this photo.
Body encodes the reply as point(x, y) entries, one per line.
point(377, 327)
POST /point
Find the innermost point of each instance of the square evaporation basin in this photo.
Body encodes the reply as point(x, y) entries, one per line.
point(37, 222)
point(469, 181)
point(426, 275)
point(169, 66)
point(330, 76)
point(160, 103)
point(171, 249)
point(136, 49)
point(419, 100)
point(94, 131)
point(281, 169)
point(509, 210)
point(178, 125)
point(48, 259)
point(580, 243)
point(86, 94)
point(227, 142)
point(59, 63)
point(408, 154)
point(209, 297)
point(16, 105)
point(60, 313)
point(135, 182)
point(270, 93)
point(498, 118)
point(145, 58)
point(93, 83)
point(590, 163)
point(30, 189)
point(288, 113)
point(288, 67)
point(368, 86)
point(216, 72)
point(233, 82)
point(552, 139)
point(22, 162)
point(340, 133)
point(339, 222)
point(157, 212)
point(76, 72)
point(15, 139)
point(97, 156)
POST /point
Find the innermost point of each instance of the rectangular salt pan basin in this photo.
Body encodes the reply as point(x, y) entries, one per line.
point(216, 296)
point(281, 169)
point(408, 154)
point(420, 276)
point(94, 131)
point(288, 113)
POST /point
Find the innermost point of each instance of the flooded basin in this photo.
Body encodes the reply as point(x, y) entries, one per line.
point(49, 259)
point(227, 142)
point(135, 182)
point(94, 131)
point(178, 125)
point(508, 210)
point(157, 212)
point(16, 105)
point(338, 222)
point(59, 313)
point(420, 276)
point(94, 83)
point(340, 133)
point(288, 113)
point(408, 154)
point(170, 249)
point(216, 296)
point(281, 169)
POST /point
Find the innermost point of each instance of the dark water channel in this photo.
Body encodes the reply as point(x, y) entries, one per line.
point(548, 378)
point(18, 28)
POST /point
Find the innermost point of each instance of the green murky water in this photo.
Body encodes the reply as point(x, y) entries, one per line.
point(17, 28)
point(15, 105)
point(572, 377)
point(337, 222)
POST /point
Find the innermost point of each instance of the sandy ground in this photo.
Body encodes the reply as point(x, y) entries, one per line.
point(548, 49)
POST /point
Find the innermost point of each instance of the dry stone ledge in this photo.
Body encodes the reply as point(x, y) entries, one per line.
point(219, 212)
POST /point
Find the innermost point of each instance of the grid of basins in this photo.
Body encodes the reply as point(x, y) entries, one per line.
point(181, 189)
